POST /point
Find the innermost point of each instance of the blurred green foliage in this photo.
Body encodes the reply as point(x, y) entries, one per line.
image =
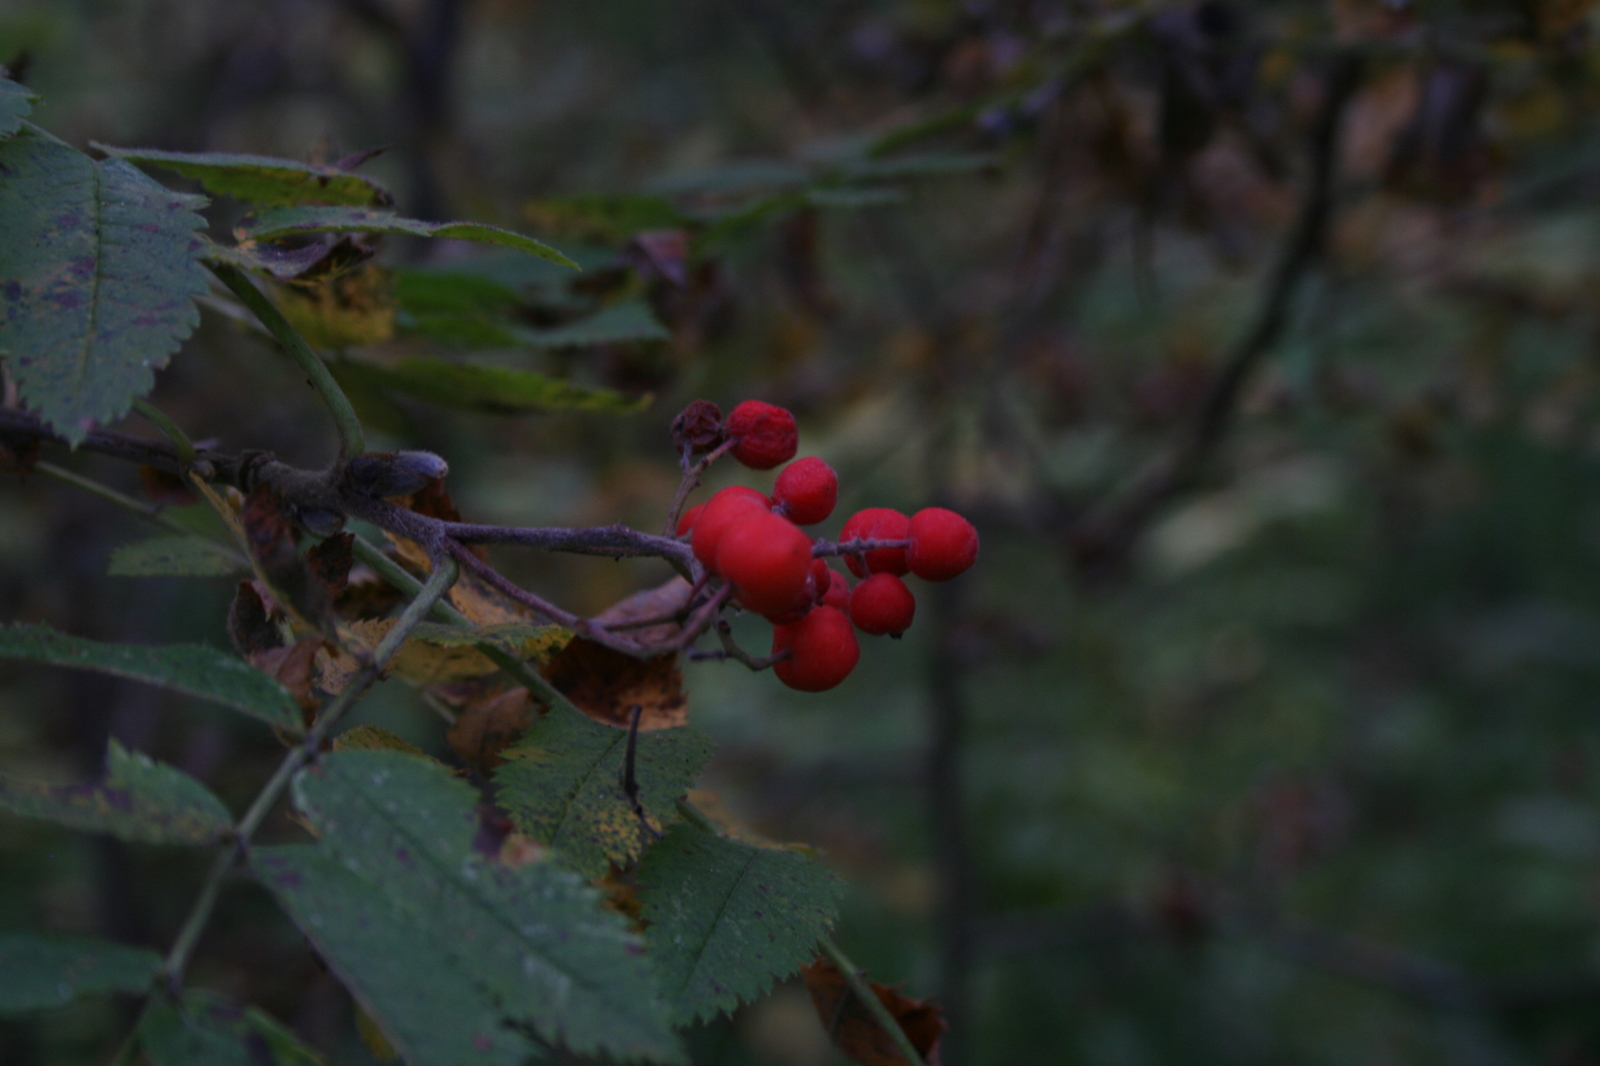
point(1303, 770)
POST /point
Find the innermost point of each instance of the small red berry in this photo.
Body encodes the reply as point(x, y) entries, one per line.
point(882, 604)
point(877, 523)
point(820, 577)
point(822, 647)
point(720, 512)
point(767, 561)
point(766, 434)
point(943, 544)
point(838, 594)
point(686, 522)
point(810, 488)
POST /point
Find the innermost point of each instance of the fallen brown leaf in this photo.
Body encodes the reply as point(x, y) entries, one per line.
point(606, 685)
point(854, 1029)
point(487, 726)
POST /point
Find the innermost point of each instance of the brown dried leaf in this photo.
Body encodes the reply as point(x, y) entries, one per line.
point(857, 1033)
point(607, 684)
point(164, 489)
point(292, 666)
point(417, 661)
point(366, 595)
point(487, 726)
point(663, 601)
point(330, 562)
point(251, 623)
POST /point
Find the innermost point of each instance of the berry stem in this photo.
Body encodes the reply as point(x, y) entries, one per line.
point(691, 481)
point(857, 546)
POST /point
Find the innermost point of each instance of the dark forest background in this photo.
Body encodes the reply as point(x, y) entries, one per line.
point(1259, 340)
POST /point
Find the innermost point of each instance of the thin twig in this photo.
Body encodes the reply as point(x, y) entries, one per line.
point(169, 429)
point(145, 511)
point(177, 960)
point(691, 481)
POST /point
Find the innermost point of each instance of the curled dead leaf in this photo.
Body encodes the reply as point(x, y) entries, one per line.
point(606, 685)
point(854, 1029)
point(488, 725)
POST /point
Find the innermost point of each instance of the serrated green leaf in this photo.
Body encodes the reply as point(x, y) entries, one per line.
point(297, 221)
point(170, 557)
point(424, 999)
point(459, 957)
point(140, 799)
point(520, 639)
point(631, 320)
point(492, 389)
point(728, 918)
point(16, 102)
point(194, 669)
point(261, 179)
point(562, 785)
point(205, 1029)
point(39, 972)
point(102, 270)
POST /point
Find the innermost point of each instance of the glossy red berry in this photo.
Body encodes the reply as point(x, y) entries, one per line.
point(808, 488)
point(686, 522)
point(838, 592)
point(877, 523)
point(721, 511)
point(765, 434)
point(822, 647)
point(943, 544)
point(882, 604)
point(767, 560)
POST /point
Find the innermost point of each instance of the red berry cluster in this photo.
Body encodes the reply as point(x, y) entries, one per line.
point(755, 544)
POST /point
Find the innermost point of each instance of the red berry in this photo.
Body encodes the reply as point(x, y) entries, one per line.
point(720, 512)
point(882, 604)
point(943, 544)
point(767, 561)
point(838, 594)
point(819, 576)
point(766, 434)
point(822, 647)
point(686, 522)
point(877, 523)
point(810, 488)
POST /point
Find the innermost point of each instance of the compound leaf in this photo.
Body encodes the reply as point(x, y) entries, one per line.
point(459, 957)
point(491, 389)
point(140, 799)
point(728, 918)
point(205, 1029)
point(562, 785)
point(189, 668)
point(260, 179)
point(39, 972)
point(299, 221)
point(101, 274)
point(170, 557)
point(16, 101)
